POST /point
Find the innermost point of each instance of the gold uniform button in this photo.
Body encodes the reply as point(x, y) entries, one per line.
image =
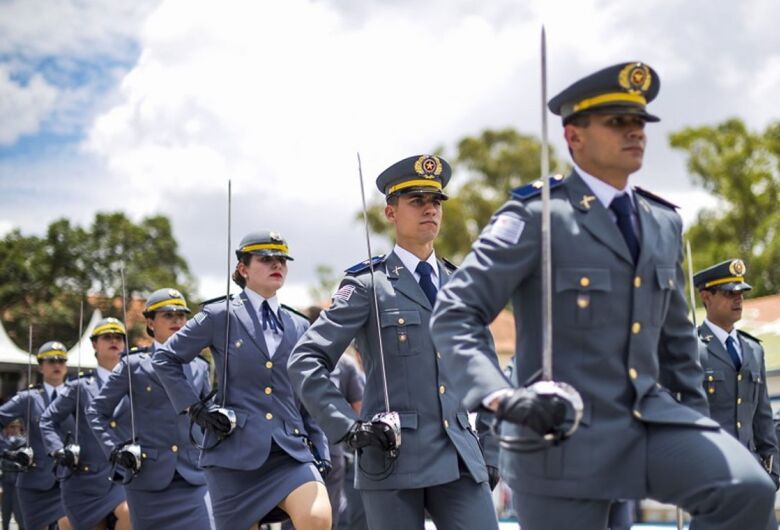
point(636, 327)
point(583, 301)
point(438, 355)
point(86, 468)
point(739, 377)
point(442, 389)
point(148, 389)
point(671, 282)
point(144, 456)
point(710, 378)
point(401, 321)
point(584, 281)
point(446, 424)
point(637, 282)
point(637, 414)
point(112, 423)
point(268, 390)
point(632, 373)
point(739, 425)
point(711, 390)
point(296, 431)
point(269, 364)
point(739, 401)
point(269, 416)
point(175, 448)
point(402, 338)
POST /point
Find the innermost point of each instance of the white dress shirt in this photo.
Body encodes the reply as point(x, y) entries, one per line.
point(410, 261)
point(721, 334)
point(272, 340)
point(49, 389)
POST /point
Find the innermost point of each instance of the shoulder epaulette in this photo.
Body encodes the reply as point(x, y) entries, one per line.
point(529, 191)
point(295, 311)
point(748, 335)
point(139, 349)
point(215, 299)
point(364, 265)
point(654, 197)
point(450, 265)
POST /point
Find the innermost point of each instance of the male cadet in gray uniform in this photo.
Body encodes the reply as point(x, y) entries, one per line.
point(734, 367)
point(620, 327)
point(440, 467)
point(169, 490)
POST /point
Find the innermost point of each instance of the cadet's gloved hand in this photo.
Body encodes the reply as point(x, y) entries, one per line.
point(539, 412)
point(65, 457)
point(493, 477)
point(209, 417)
point(121, 456)
point(18, 457)
point(365, 433)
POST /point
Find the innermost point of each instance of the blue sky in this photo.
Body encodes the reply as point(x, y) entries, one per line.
point(149, 106)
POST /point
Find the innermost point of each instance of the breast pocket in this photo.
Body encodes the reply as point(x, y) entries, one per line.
point(583, 295)
point(713, 382)
point(757, 383)
point(400, 327)
point(665, 283)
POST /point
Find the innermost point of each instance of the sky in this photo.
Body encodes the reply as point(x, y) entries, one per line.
point(150, 106)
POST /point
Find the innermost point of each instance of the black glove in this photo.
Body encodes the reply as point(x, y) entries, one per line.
point(539, 412)
point(120, 456)
point(209, 417)
point(365, 433)
point(17, 457)
point(324, 467)
point(493, 477)
point(65, 457)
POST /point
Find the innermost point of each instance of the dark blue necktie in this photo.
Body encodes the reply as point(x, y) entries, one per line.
point(270, 319)
point(621, 206)
point(53, 395)
point(733, 353)
point(425, 270)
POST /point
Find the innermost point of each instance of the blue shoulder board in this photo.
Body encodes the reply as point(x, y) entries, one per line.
point(533, 189)
point(450, 265)
point(363, 265)
point(655, 198)
point(215, 299)
point(748, 335)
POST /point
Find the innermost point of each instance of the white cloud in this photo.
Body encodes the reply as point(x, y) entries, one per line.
point(5, 227)
point(23, 106)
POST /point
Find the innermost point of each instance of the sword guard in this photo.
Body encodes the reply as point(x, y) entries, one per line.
point(75, 449)
point(393, 421)
point(231, 417)
point(123, 474)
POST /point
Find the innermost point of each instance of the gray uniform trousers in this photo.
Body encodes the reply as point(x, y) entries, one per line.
point(622, 338)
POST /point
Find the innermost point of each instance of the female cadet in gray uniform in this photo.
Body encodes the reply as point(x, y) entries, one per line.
point(265, 462)
point(90, 498)
point(169, 490)
point(37, 487)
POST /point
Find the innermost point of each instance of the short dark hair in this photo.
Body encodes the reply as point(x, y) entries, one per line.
point(392, 199)
point(578, 120)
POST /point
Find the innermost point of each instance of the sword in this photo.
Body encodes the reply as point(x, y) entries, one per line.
point(25, 455)
point(392, 419)
point(74, 448)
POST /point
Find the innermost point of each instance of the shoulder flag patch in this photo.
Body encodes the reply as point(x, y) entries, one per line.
point(507, 227)
point(344, 292)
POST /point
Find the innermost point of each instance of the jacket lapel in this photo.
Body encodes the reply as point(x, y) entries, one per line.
point(749, 357)
point(714, 346)
point(594, 218)
point(288, 337)
point(403, 281)
point(246, 314)
point(648, 230)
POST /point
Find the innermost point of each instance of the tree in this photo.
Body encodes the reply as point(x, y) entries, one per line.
point(493, 162)
point(742, 169)
point(43, 278)
point(327, 281)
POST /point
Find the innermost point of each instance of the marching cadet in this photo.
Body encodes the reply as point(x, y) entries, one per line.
point(619, 329)
point(439, 465)
point(91, 499)
point(169, 490)
point(11, 440)
point(734, 366)
point(257, 457)
point(37, 486)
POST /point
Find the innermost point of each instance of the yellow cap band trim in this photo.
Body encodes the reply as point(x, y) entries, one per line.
point(52, 353)
point(612, 97)
point(105, 328)
point(410, 183)
point(266, 246)
point(171, 301)
point(725, 280)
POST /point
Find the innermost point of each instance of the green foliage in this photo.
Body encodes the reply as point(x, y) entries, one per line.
point(43, 278)
point(742, 169)
point(327, 281)
point(493, 163)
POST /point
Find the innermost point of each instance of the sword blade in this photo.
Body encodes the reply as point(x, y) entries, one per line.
point(373, 288)
point(78, 367)
point(227, 291)
point(127, 355)
point(547, 366)
point(28, 426)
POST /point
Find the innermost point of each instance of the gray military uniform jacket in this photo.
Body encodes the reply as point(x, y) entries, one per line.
point(619, 331)
point(739, 401)
point(435, 427)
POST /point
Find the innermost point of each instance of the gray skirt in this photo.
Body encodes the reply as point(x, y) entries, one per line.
point(242, 498)
point(180, 506)
point(90, 497)
point(40, 508)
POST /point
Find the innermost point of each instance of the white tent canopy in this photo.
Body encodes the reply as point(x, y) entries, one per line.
point(88, 359)
point(10, 352)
